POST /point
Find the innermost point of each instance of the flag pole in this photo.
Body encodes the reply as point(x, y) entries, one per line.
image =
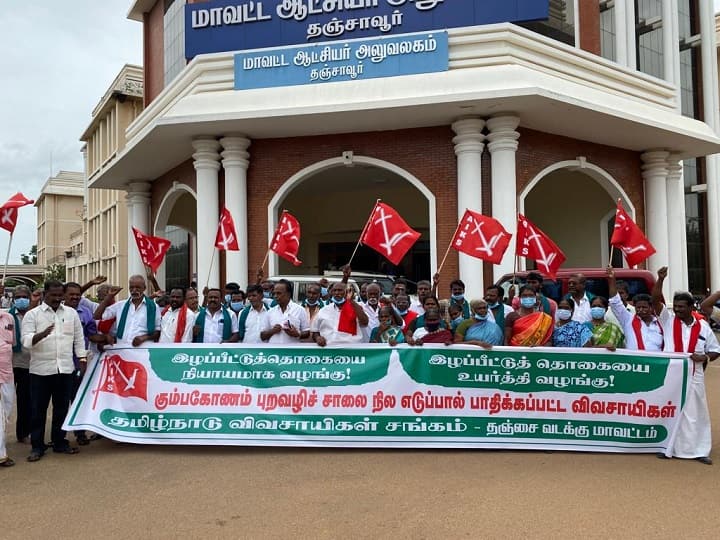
point(447, 251)
point(212, 260)
point(7, 258)
point(363, 232)
point(612, 253)
point(515, 271)
point(267, 254)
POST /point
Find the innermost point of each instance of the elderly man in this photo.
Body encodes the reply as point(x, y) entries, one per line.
point(191, 300)
point(215, 323)
point(312, 303)
point(687, 333)
point(52, 332)
point(21, 364)
point(177, 320)
point(136, 320)
point(286, 322)
point(334, 322)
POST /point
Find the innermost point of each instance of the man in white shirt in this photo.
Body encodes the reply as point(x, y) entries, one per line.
point(686, 332)
point(52, 332)
point(136, 320)
point(251, 319)
point(286, 322)
point(582, 299)
point(643, 331)
point(709, 308)
point(423, 291)
point(215, 323)
point(177, 320)
point(326, 326)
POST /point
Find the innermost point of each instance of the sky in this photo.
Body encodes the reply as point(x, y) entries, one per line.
point(59, 59)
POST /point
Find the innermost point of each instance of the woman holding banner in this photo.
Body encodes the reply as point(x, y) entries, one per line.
point(528, 327)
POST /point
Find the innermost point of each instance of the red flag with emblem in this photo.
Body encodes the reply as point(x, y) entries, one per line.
point(286, 241)
point(152, 249)
point(388, 234)
point(482, 237)
point(534, 244)
point(9, 212)
point(226, 238)
point(628, 237)
point(124, 378)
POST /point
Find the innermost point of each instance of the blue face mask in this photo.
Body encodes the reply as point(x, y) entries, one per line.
point(22, 303)
point(266, 294)
point(564, 314)
point(323, 291)
point(458, 297)
point(493, 306)
point(458, 320)
point(338, 302)
point(597, 312)
point(311, 302)
point(479, 317)
point(236, 306)
point(228, 298)
point(401, 313)
point(528, 301)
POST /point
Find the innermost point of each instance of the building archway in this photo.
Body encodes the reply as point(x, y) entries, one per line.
point(574, 203)
point(177, 221)
point(332, 199)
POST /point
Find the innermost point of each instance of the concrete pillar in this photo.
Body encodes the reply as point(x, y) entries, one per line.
point(207, 165)
point(655, 173)
point(677, 239)
point(503, 146)
point(235, 162)
point(138, 204)
point(469, 147)
point(625, 33)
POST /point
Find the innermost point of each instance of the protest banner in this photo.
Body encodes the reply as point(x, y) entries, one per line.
point(378, 396)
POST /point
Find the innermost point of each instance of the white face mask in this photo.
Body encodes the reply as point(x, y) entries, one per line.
point(564, 314)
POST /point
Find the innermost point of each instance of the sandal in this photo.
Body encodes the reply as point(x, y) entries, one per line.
point(66, 450)
point(35, 456)
point(7, 463)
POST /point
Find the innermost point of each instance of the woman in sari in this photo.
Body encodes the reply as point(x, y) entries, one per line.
point(528, 327)
point(605, 333)
point(433, 330)
point(569, 333)
point(481, 329)
point(419, 321)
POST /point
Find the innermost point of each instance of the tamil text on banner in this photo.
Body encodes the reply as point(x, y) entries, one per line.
point(377, 396)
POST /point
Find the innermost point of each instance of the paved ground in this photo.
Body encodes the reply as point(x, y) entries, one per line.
point(125, 491)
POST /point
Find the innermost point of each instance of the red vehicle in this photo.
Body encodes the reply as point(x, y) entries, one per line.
point(638, 281)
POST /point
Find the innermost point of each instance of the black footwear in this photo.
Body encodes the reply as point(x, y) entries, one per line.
point(35, 456)
point(7, 463)
point(66, 450)
point(660, 455)
point(82, 440)
point(707, 460)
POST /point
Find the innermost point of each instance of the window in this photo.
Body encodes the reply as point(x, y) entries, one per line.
point(649, 37)
point(174, 38)
point(607, 30)
point(559, 25)
point(177, 260)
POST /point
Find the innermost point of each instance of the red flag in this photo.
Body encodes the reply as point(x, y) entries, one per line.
point(9, 213)
point(628, 237)
point(106, 325)
point(286, 241)
point(152, 249)
point(532, 243)
point(124, 378)
point(226, 238)
point(348, 319)
point(388, 234)
point(482, 237)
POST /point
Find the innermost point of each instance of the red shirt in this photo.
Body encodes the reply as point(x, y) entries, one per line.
point(409, 317)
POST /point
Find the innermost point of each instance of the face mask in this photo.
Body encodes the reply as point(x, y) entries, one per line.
point(481, 317)
point(311, 302)
point(432, 326)
point(528, 302)
point(228, 298)
point(401, 313)
point(564, 314)
point(597, 312)
point(458, 320)
point(22, 303)
point(236, 306)
point(493, 306)
point(372, 301)
point(338, 302)
point(266, 294)
point(458, 297)
point(323, 291)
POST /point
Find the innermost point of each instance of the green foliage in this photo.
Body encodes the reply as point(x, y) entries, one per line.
point(31, 257)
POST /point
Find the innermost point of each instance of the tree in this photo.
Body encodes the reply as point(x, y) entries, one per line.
point(30, 258)
point(55, 271)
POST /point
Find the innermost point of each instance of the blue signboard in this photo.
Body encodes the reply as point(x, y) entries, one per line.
point(344, 61)
point(236, 25)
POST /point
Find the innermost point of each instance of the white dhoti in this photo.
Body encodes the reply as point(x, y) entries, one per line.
point(7, 399)
point(692, 437)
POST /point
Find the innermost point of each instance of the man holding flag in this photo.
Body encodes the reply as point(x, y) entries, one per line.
point(337, 323)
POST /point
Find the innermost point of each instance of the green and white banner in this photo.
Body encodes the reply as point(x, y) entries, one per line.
point(377, 396)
